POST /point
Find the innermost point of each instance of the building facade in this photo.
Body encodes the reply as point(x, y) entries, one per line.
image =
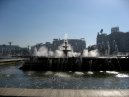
point(78, 45)
point(13, 50)
point(116, 41)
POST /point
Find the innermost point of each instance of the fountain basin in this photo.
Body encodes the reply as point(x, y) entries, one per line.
point(77, 64)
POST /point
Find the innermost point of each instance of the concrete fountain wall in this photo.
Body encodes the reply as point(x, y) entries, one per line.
point(77, 64)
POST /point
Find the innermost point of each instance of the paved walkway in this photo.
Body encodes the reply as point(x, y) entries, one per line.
point(64, 92)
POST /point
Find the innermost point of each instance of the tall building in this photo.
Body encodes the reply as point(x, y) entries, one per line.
point(117, 41)
point(102, 40)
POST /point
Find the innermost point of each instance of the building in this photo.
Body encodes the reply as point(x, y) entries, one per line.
point(102, 40)
point(13, 50)
point(78, 45)
point(116, 41)
point(114, 29)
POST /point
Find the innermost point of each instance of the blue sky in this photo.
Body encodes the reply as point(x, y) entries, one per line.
point(27, 22)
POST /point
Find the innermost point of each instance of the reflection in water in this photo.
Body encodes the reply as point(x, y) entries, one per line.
point(11, 76)
point(62, 74)
point(90, 72)
point(112, 72)
point(30, 73)
point(79, 73)
point(122, 75)
point(48, 73)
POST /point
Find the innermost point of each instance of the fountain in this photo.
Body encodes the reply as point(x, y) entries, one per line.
point(66, 59)
point(65, 46)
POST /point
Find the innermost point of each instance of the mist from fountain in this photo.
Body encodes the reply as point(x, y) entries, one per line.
point(64, 50)
point(43, 52)
point(93, 53)
point(58, 54)
point(108, 48)
point(90, 64)
point(115, 47)
point(50, 53)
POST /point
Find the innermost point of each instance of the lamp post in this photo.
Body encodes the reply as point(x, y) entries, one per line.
point(28, 50)
point(10, 43)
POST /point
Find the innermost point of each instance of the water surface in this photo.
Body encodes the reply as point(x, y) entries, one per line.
point(12, 76)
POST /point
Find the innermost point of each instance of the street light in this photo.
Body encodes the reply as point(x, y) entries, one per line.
point(10, 43)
